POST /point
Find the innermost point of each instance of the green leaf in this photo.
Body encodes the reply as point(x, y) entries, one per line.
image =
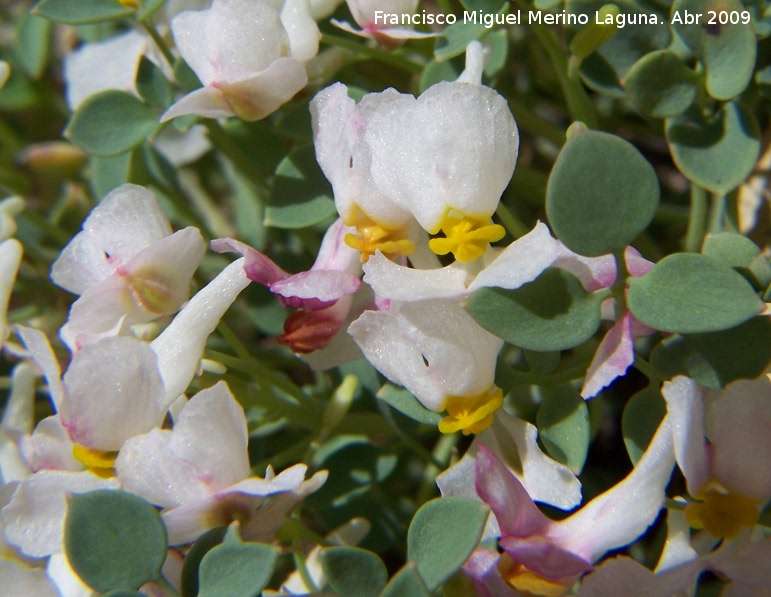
point(33, 37)
point(687, 293)
point(454, 39)
point(442, 535)
point(604, 69)
point(435, 72)
point(114, 540)
point(728, 51)
point(641, 418)
point(403, 401)
point(81, 11)
point(543, 363)
point(553, 312)
point(661, 84)
point(353, 572)
point(406, 583)
point(236, 570)
point(563, 426)
point(108, 173)
point(300, 196)
point(205, 543)
point(718, 153)
point(716, 359)
point(601, 194)
point(486, 6)
point(111, 122)
point(152, 85)
point(735, 250)
point(149, 9)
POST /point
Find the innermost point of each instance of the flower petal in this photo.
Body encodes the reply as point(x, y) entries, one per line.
point(614, 356)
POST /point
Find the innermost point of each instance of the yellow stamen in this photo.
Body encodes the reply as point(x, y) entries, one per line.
point(102, 464)
point(471, 414)
point(722, 514)
point(372, 237)
point(132, 4)
point(527, 582)
point(466, 238)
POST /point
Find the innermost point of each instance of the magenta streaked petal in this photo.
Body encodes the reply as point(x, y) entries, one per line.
point(315, 289)
point(515, 510)
point(546, 559)
point(636, 264)
point(259, 268)
point(613, 357)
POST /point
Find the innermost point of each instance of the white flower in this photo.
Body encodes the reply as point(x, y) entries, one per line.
point(247, 55)
point(199, 471)
point(10, 259)
point(375, 19)
point(127, 266)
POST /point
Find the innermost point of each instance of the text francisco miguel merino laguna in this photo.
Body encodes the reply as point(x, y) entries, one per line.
point(513, 18)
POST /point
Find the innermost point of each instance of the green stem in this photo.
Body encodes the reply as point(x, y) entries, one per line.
point(373, 53)
point(717, 212)
point(697, 222)
point(227, 145)
point(511, 222)
point(441, 453)
point(646, 369)
point(299, 561)
point(619, 286)
point(579, 104)
point(159, 41)
point(530, 121)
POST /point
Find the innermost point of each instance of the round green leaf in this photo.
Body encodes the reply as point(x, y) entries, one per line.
point(601, 194)
point(406, 583)
point(641, 418)
point(728, 51)
point(114, 540)
point(563, 426)
point(111, 122)
point(553, 312)
point(236, 570)
point(153, 85)
point(403, 401)
point(300, 196)
point(81, 11)
point(716, 153)
point(205, 543)
point(352, 572)
point(687, 293)
point(661, 85)
point(735, 250)
point(716, 359)
point(442, 536)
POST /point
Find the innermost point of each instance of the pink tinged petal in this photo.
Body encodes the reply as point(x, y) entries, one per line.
point(594, 272)
point(624, 512)
point(334, 254)
point(546, 559)
point(18, 579)
point(521, 262)
point(34, 518)
point(432, 348)
point(388, 37)
point(685, 406)
point(206, 452)
point(114, 392)
point(363, 11)
point(10, 259)
point(636, 264)
point(482, 567)
point(739, 431)
point(308, 331)
point(41, 352)
point(399, 283)
point(19, 410)
point(315, 290)
point(49, 447)
point(258, 266)
point(614, 356)
point(517, 514)
point(618, 576)
point(125, 222)
point(544, 479)
point(180, 346)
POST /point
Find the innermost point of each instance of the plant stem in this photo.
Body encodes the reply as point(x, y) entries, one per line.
point(697, 221)
point(511, 222)
point(717, 213)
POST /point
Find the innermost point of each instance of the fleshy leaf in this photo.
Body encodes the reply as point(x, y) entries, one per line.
point(301, 196)
point(82, 11)
point(203, 545)
point(716, 153)
point(236, 570)
point(563, 425)
point(554, 312)
point(732, 249)
point(642, 416)
point(114, 540)
point(406, 583)
point(111, 122)
point(661, 84)
point(705, 358)
point(727, 50)
point(688, 293)
point(601, 194)
point(351, 571)
point(442, 535)
point(403, 401)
